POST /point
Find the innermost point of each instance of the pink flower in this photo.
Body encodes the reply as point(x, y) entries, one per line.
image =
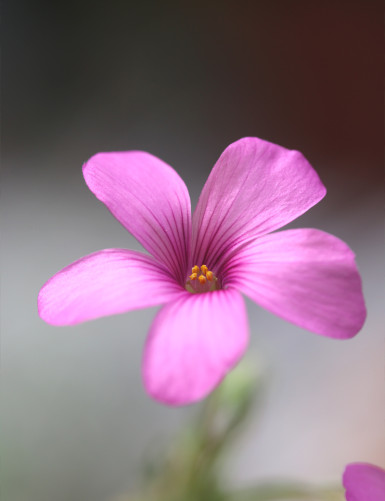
point(200, 265)
point(364, 482)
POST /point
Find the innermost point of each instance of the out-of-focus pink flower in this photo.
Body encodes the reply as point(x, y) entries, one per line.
point(200, 265)
point(364, 482)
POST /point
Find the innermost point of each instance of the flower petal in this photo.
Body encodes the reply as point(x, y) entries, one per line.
point(192, 344)
point(254, 188)
point(149, 198)
point(305, 276)
point(105, 283)
point(364, 482)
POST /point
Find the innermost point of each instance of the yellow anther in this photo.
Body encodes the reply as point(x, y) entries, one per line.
point(195, 269)
point(204, 269)
point(209, 275)
point(193, 276)
point(202, 279)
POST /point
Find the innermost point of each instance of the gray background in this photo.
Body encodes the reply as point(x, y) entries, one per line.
point(181, 80)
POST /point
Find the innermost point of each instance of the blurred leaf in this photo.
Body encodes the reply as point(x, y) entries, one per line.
point(286, 492)
point(190, 470)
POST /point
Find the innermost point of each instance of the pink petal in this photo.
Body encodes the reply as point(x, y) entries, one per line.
point(105, 283)
point(149, 198)
point(364, 482)
point(192, 344)
point(254, 188)
point(305, 276)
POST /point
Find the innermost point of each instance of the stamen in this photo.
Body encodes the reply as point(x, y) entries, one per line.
point(202, 280)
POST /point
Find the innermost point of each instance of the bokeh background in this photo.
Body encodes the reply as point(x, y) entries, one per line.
point(181, 80)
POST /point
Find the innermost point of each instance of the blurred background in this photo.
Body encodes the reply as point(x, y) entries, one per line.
point(181, 80)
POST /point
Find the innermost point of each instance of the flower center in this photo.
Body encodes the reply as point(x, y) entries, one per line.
point(202, 280)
